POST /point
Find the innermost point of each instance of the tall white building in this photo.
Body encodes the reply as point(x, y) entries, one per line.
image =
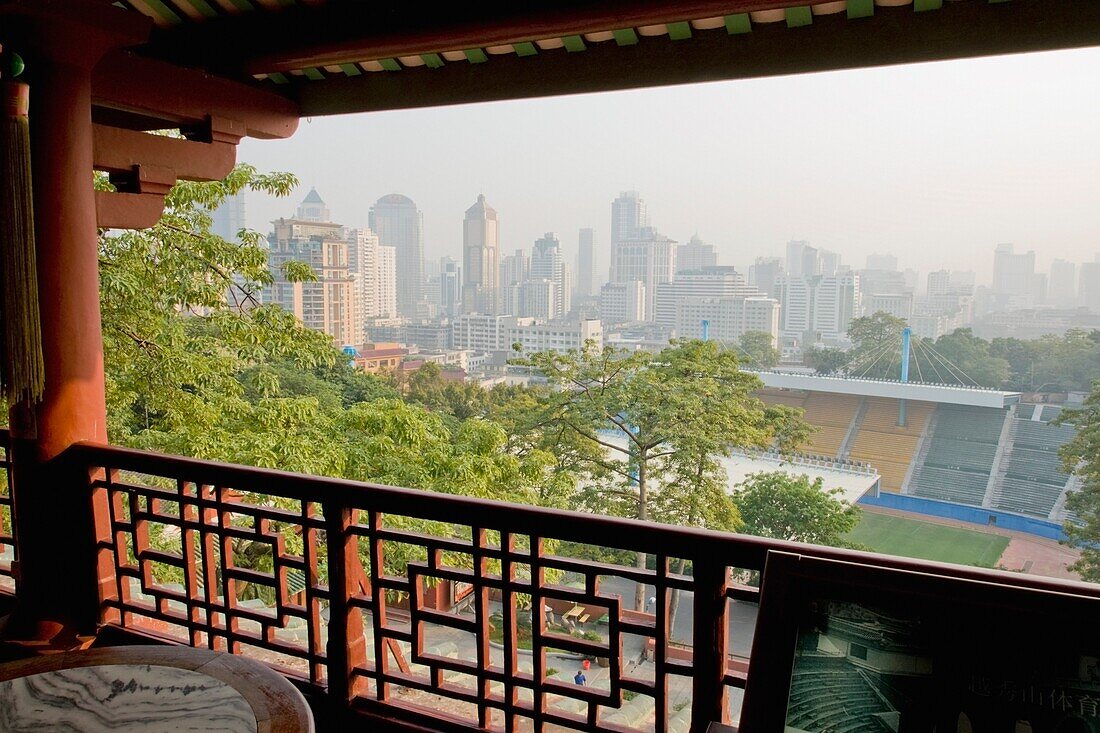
point(400, 225)
point(375, 271)
point(538, 299)
point(763, 273)
point(1062, 285)
point(802, 259)
point(650, 258)
point(481, 259)
point(899, 305)
point(818, 308)
point(711, 282)
point(482, 332)
point(450, 286)
point(728, 318)
point(1088, 291)
point(622, 302)
point(1013, 274)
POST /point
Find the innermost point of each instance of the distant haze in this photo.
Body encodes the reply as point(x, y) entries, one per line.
point(935, 163)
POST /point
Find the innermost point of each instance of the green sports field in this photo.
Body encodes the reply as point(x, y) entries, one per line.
point(913, 538)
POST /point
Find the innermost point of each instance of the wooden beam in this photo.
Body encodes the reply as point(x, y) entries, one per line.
point(155, 90)
point(128, 210)
point(305, 36)
point(891, 36)
point(123, 151)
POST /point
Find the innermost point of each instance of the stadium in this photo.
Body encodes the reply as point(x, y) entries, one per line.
point(951, 454)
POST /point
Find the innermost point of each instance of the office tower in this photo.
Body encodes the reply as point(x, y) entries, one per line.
point(939, 283)
point(899, 305)
point(538, 299)
point(802, 259)
point(764, 272)
point(585, 275)
point(649, 258)
point(882, 262)
point(515, 269)
point(818, 308)
point(1013, 274)
point(829, 262)
point(328, 304)
point(622, 302)
point(1062, 285)
point(481, 259)
point(628, 218)
point(228, 219)
point(450, 286)
point(399, 224)
point(375, 270)
point(548, 263)
point(728, 318)
point(695, 255)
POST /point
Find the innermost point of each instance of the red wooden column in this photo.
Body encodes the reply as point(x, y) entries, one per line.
point(56, 531)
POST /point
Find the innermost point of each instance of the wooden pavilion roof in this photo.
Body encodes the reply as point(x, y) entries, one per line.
point(340, 56)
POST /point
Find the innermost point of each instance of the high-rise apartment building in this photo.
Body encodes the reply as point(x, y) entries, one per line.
point(228, 219)
point(538, 299)
point(1088, 292)
point(329, 303)
point(585, 275)
point(548, 263)
point(628, 218)
point(481, 259)
point(400, 225)
point(375, 270)
point(728, 318)
point(649, 258)
point(695, 255)
point(802, 259)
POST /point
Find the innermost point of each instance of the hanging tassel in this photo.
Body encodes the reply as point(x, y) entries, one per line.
point(22, 373)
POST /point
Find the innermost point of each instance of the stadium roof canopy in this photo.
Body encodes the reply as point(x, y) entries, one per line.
point(947, 394)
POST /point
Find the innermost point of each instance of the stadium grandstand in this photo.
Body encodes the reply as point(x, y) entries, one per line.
point(952, 451)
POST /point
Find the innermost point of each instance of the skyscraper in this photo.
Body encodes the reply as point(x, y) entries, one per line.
point(399, 224)
point(312, 208)
point(586, 264)
point(819, 307)
point(802, 259)
point(695, 255)
point(1013, 274)
point(228, 219)
point(481, 259)
point(628, 218)
point(375, 269)
point(548, 263)
point(1062, 286)
point(450, 286)
point(764, 272)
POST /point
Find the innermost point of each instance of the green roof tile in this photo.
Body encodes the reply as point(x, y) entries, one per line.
point(626, 37)
point(573, 43)
point(739, 23)
point(798, 17)
point(679, 31)
point(475, 56)
point(432, 60)
point(525, 49)
point(861, 8)
point(390, 64)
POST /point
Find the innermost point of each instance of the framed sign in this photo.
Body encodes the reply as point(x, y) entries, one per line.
point(853, 648)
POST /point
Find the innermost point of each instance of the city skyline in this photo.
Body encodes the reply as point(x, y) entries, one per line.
point(996, 151)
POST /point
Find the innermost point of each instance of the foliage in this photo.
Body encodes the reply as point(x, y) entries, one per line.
point(1052, 363)
point(785, 506)
point(873, 343)
point(650, 429)
point(759, 349)
point(825, 359)
point(1082, 457)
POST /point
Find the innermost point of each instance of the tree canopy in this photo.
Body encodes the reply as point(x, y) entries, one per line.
point(786, 506)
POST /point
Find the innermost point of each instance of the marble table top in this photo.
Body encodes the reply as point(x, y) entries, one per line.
point(123, 698)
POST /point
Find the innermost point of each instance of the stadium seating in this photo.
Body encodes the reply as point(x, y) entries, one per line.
point(959, 458)
point(884, 444)
point(1033, 479)
point(833, 697)
point(832, 414)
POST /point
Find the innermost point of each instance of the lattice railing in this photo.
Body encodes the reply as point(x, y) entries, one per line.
point(7, 525)
point(441, 611)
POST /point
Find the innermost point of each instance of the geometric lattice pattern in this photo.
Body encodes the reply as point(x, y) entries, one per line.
point(422, 607)
point(7, 526)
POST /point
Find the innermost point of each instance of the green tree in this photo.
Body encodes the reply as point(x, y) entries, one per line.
point(968, 361)
point(657, 424)
point(1082, 457)
point(876, 341)
point(758, 349)
point(825, 359)
point(784, 506)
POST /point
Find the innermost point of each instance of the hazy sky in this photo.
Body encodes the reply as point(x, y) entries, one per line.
point(936, 163)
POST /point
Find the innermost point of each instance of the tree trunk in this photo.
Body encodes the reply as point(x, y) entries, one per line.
point(643, 514)
point(674, 602)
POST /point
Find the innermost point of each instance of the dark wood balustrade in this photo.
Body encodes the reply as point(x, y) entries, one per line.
point(333, 582)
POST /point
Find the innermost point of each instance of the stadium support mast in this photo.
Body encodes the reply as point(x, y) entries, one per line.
point(706, 330)
point(906, 335)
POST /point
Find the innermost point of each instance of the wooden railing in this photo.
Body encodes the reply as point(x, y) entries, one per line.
point(7, 523)
point(339, 583)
